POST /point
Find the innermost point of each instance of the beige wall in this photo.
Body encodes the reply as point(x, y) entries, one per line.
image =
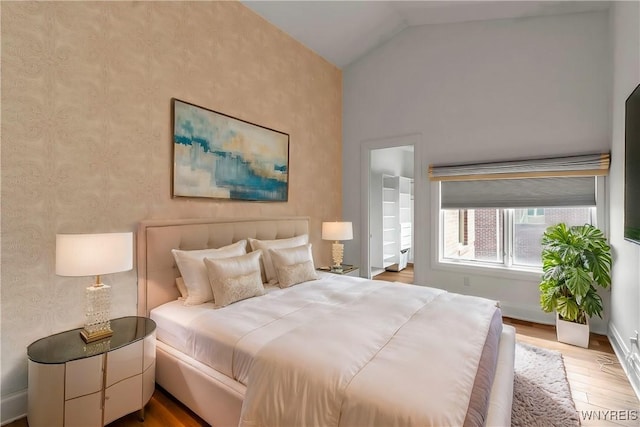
point(86, 136)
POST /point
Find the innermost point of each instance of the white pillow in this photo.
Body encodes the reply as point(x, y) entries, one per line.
point(194, 272)
point(181, 288)
point(234, 279)
point(265, 245)
point(293, 265)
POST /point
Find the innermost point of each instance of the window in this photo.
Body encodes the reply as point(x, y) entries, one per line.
point(472, 234)
point(495, 214)
point(530, 216)
point(485, 239)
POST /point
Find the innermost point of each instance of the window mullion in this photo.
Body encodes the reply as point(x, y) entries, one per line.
point(508, 236)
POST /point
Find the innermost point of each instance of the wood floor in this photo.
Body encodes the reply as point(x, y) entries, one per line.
point(404, 276)
point(598, 384)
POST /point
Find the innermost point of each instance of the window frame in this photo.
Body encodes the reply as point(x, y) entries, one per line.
point(506, 269)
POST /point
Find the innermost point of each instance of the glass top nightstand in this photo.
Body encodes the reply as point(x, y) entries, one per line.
point(67, 346)
point(73, 383)
point(347, 270)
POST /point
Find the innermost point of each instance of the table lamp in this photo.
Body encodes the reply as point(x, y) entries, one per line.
point(337, 231)
point(93, 255)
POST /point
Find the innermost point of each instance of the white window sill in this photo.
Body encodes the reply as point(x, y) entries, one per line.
point(498, 271)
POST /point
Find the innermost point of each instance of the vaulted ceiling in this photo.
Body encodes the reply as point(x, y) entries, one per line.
point(343, 31)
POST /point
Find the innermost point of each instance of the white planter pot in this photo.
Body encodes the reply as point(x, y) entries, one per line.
point(572, 333)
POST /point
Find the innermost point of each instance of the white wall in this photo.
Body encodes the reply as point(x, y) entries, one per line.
point(625, 295)
point(479, 91)
point(392, 161)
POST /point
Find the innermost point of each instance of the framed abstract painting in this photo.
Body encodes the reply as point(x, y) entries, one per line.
point(219, 156)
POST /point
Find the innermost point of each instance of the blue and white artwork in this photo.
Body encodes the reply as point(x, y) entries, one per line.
point(222, 157)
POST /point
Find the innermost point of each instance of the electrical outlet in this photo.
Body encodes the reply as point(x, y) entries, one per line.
point(465, 281)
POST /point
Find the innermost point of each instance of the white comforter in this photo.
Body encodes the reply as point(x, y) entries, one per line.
point(385, 354)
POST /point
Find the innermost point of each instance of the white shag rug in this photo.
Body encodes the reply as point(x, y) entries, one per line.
point(541, 393)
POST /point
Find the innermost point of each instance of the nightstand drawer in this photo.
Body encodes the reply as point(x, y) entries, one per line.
point(124, 362)
point(123, 398)
point(148, 382)
point(85, 411)
point(83, 376)
point(149, 351)
point(46, 395)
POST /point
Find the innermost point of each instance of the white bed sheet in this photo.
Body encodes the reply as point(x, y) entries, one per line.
point(227, 339)
point(405, 362)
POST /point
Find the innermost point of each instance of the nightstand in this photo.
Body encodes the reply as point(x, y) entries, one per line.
point(347, 270)
point(73, 383)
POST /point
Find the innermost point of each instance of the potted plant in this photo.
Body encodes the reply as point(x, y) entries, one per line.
point(575, 260)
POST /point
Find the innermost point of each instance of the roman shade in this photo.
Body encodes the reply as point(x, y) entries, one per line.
point(518, 193)
point(551, 182)
point(581, 165)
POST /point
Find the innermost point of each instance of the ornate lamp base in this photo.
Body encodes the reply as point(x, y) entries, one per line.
point(98, 303)
point(337, 251)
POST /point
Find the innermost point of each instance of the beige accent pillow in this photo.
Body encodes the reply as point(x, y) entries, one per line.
point(269, 270)
point(194, 272)
point(235, 279)
point(293, 265)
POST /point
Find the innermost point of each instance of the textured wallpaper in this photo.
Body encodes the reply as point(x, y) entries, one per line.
point(86, 136)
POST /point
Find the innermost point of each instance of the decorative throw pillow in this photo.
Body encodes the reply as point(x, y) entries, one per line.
point(289, 275)
point(181, 288)
point(235, 279)
point(293, 265)
point(194, 272)
point(269, 270)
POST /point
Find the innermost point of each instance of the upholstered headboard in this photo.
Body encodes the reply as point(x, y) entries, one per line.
point(157, 270)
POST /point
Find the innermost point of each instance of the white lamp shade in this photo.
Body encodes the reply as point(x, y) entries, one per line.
point(93, 254)
point(337, 231)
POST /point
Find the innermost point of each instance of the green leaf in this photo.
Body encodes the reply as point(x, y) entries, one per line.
point(592, 304)
point(548, 296)
point(598, 261)
point(578, 282)
point(574, 259)
point(568, 308)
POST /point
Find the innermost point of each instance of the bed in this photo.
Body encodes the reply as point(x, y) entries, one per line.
point(266, 355)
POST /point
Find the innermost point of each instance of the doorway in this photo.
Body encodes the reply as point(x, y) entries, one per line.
point(388, 187)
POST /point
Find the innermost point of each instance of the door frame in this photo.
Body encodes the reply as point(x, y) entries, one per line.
point(366, 147)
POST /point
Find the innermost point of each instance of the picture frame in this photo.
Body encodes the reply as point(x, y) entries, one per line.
point(222, 157)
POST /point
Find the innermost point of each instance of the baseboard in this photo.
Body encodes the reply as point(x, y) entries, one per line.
point(625, 358)
point(522, 312)
point(525, 312)
point(13, 407)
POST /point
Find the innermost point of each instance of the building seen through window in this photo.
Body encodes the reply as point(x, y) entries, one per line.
point(503, 236)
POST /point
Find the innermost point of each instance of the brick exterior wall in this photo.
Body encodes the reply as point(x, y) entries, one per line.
point(483, 243)
point(486, 241)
